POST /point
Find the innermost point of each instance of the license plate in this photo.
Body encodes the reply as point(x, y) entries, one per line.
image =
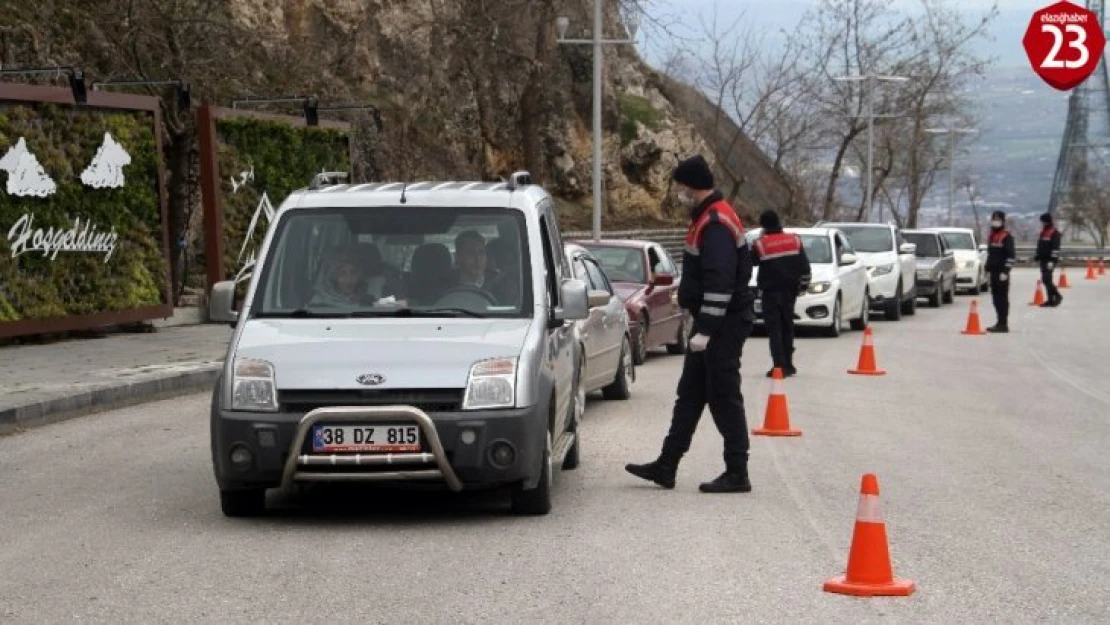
point(378, 438)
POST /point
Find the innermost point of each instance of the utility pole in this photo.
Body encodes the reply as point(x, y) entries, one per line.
point(870, 79)
point(952, 131)
point(632, 25)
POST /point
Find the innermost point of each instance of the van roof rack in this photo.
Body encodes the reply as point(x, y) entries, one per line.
point(329, 178)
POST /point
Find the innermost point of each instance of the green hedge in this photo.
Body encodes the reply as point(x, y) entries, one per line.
point(65, 139)
point(284, 158)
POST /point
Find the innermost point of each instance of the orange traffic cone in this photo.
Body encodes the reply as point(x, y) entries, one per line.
point(1038, 297)
point(869, 572)
point(866, 365)
point(973, 326)
point(1102, 266)
point(776, 422)
point(1091, 270)
point(1064, 279)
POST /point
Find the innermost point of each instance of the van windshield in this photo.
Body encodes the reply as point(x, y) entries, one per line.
point(397, 261)
point(867, 238)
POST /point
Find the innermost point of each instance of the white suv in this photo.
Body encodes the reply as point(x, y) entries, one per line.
point(402, 333)
point(891, 265)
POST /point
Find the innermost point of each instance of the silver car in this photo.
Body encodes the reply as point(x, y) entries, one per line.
point(402, 333)
point(605, 337)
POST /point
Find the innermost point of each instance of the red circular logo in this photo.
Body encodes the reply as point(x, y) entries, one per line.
point(1064, 43)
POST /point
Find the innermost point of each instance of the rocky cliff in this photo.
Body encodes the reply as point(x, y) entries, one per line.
point(479, 88)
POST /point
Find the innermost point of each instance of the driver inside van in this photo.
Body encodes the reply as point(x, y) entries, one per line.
point(470, 259)
point(345, 281)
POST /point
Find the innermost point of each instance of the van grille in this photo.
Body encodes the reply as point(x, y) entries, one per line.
point(428, 400)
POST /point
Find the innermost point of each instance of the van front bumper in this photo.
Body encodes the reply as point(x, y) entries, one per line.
point(456, 448)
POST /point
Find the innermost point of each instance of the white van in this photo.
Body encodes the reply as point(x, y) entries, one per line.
point(398, 333)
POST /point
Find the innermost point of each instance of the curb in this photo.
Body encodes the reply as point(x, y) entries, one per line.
point(106, 398)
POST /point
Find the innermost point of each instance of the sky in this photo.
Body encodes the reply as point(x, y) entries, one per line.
point(1007, 29)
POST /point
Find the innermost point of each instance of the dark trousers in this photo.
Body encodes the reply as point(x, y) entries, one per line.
point(778, 317)
point(1000, 296)
point(712, 377)
point(1050, 289)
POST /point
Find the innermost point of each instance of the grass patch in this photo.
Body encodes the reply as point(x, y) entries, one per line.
point(635, 109)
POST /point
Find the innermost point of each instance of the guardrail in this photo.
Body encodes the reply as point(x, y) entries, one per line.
point(672, 240)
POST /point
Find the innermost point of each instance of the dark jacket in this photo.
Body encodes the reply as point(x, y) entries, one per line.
point(716, 267)
point(783, 265)
point(1000, 252)
point(1048, 246)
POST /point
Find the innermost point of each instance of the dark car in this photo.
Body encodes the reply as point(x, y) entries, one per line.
point(936, 266)
point(646, 279)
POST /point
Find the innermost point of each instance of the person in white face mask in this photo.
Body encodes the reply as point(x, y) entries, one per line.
point(716, 268)
point(1000, 260)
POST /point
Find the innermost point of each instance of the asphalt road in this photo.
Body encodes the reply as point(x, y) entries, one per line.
point(993, 455)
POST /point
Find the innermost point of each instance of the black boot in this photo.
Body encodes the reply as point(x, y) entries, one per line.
point(733, 480)
point(999, 328)
point(659, 471)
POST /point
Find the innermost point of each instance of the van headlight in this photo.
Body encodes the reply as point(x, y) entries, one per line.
point(252, 386)
point(882, 270)
point(818, 288)
point(969, 264)
point(491, 384)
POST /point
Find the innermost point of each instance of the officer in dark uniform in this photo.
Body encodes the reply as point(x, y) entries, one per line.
point(1000, 260)
point(1048, 255)
point(784, 273)
point(716, 268)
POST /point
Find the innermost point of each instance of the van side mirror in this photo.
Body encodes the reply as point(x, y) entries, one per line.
point(575, 301)
point(907, 248)
point(221, 303)
point(848, 258)
point(949, 253)
point(982, 247)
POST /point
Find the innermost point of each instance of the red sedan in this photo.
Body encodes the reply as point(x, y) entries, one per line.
point(646, 278)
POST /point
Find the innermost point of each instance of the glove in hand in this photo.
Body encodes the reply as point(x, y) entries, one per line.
point(698, 342)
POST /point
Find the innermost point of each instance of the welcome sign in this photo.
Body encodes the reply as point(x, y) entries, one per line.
point(82, 238)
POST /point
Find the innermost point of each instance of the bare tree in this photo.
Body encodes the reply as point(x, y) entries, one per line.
point(941, 63)
point(1089, 212)
point(974, 197)
point(746, 85)
point(848, 38)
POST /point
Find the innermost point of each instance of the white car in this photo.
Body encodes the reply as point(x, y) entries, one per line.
point(891, 265)
point(838, 288)
point(971, 258)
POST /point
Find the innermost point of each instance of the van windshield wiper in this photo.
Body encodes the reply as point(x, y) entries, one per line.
point(303, 313)
point(424, 312)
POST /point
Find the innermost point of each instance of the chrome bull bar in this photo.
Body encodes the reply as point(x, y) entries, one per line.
point(368, 414)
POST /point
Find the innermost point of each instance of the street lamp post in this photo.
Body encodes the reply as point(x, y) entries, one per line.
point(632, 24)
point(951, 130)
point(871, 78)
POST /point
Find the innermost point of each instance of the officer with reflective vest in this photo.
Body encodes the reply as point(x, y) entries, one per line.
point(1000, 260)
point(784, 273)
point(1048, 255)
point(716, 268)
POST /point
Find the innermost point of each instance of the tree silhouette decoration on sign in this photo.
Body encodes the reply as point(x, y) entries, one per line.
point(26, 177)
point(106, 168)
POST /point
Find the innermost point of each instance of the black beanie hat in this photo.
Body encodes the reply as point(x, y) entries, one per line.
point(1046, 218)
point(694, 172)
point(998, 215)
point(769, 219)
